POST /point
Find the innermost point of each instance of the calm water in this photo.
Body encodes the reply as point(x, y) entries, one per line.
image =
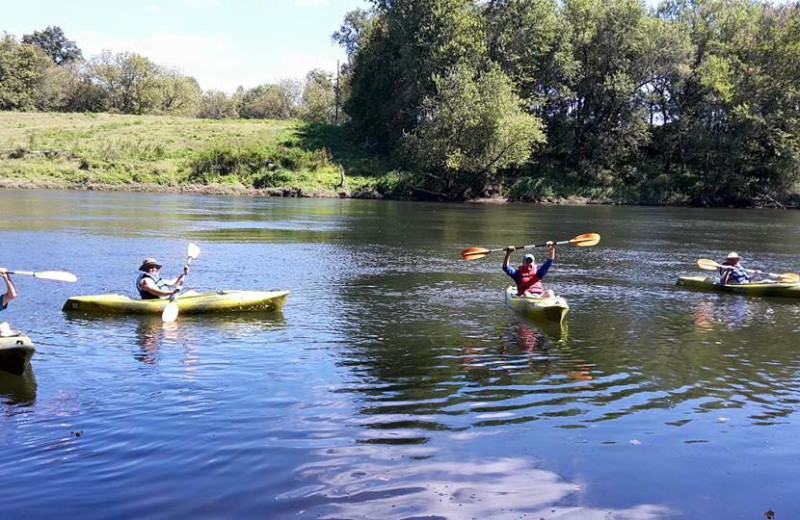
point(395, 384)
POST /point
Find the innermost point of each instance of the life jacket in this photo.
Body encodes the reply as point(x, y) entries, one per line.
point(145, 295)
point(528, 281)
point(738, 275)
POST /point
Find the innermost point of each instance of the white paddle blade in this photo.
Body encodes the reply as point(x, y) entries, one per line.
point(192, 251)
point(59, 276)
point(170, 313)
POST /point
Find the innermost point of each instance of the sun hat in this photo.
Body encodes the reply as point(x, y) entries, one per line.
point(732, 255)
point(149, 262)
point(528, 255)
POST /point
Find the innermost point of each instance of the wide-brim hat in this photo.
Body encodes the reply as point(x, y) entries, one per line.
point(148, 263)
point(732, 255)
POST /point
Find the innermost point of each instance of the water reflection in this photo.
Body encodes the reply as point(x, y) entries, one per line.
point(730, 313)
point(18, 390)
point(361, 483)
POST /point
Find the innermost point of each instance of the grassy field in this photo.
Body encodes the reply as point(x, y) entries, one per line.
point(154, 152)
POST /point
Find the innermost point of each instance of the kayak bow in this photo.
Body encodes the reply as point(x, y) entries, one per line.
point(536, 308)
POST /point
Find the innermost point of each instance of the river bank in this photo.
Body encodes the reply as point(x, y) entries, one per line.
point(113, 152)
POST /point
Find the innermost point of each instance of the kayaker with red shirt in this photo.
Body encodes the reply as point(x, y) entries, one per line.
point(527, 277)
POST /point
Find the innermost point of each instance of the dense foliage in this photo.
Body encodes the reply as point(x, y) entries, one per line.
point(695, 102)
point(46, 71)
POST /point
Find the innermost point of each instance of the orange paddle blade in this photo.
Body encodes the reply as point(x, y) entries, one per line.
point(706, 264)
point(586, 240)
point(475, 253)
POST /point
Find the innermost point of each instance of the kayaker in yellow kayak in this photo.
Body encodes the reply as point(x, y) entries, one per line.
point(11, 293)
point(732, 272)
point(151, 286)
point(527, 277)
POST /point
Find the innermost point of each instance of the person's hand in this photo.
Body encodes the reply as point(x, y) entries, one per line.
point(177, 290)
point(511, 249)
point(3, 271)
point(550, 245)
point(186, 269)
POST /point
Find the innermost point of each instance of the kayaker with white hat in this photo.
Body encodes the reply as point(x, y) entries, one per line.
point(732, 271)
point(151, 286)
point(527, 277)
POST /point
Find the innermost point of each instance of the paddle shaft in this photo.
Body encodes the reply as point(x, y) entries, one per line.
point(531, 246)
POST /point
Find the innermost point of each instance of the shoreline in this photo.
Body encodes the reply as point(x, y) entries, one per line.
point(338, 193)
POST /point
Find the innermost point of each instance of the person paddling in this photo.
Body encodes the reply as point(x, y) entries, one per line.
point(11, 293)
point(527, 277)
point(731, 272)
point(151, 286)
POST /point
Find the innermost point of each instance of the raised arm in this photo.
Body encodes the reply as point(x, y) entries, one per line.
point(509, 250)
point(11, 290)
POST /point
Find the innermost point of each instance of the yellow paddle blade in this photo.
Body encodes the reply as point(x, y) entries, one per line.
point(789, 277)
point(170, 313)
point(707, 264)
point(475, 253)
point(586, 240)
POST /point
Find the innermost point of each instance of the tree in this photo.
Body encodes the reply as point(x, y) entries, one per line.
point(130, 81)
point(216, 105)
point(271, 101)
point(21, 69)
point(318, 98)
point(178, 94)
point(473, 127)
point(55, 44)
point(408, 43)
point(355, 26)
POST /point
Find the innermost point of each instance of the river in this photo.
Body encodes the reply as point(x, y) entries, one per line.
point(395, 383)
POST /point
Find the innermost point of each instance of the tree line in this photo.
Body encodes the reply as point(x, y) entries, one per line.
point(695, 101)
point(46, 71)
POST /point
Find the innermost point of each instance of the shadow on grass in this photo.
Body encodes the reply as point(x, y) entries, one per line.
point(344, 149)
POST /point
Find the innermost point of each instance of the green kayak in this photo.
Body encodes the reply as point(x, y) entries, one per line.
point(709, 283)
point(200, 303)
point(15, 352)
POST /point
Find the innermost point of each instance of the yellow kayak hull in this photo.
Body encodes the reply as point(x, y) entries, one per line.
point(547, 309)
point(201, 303)
point(708, 283)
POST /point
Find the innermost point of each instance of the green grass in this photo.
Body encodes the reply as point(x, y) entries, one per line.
point(120, 150)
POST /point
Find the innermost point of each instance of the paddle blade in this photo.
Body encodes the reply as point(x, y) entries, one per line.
point(789, 277)
point(59, 276)
point(707, 264)
point(586, 240)
point(170, 313)
point(475, 253)
point(192, 251)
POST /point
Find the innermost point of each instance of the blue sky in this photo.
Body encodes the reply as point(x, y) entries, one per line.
point(222, 43)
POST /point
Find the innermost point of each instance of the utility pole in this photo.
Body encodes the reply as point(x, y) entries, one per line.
point(336, 91)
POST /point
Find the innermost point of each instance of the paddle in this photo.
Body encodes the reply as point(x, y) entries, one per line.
point(59, 276)
point(170, 312)
point(707, 264)
point(585, 240)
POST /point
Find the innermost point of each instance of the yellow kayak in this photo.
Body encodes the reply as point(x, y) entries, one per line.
point(537, 308)
point(200, 303)
point(15, 352)
point(709, 283)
